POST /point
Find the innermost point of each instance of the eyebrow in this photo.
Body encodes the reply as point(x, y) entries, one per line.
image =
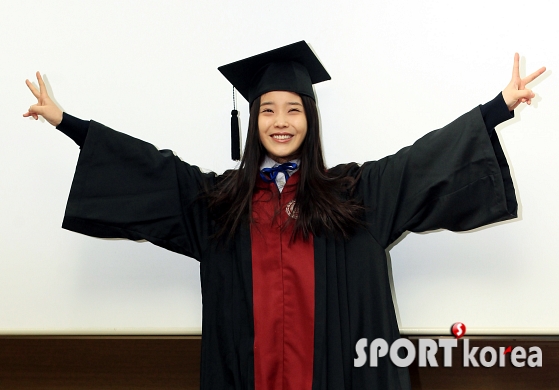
point(289, 103)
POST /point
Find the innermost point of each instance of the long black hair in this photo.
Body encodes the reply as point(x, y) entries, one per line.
point(323, 199)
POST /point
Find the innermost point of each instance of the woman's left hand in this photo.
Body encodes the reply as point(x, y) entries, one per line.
point(516, 92)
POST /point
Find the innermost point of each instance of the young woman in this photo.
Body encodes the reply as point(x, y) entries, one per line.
point(292, 254)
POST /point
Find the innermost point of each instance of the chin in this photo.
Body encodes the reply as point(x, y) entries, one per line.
point(281, 158)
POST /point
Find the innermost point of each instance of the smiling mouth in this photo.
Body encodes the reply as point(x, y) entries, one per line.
point(282, 137)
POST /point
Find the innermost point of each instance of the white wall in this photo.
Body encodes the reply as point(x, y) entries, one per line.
point(148, 68)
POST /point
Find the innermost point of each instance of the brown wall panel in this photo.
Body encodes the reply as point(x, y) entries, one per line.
point(121, 362)
point(479, 378)
point(99, 362)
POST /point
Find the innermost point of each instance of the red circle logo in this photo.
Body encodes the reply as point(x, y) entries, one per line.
point(458, 330)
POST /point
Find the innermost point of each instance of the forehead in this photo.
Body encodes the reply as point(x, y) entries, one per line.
point(278, 97)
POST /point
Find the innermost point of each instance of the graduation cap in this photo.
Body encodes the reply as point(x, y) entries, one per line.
point(293, 68)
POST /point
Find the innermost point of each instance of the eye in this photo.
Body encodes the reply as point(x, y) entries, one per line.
point(295, 109)
point(266, 110)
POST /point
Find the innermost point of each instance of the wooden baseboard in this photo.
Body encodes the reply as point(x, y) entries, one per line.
point(58, 362)
point(494, 378)
point(173, 362)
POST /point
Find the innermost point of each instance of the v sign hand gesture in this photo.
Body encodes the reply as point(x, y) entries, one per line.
point(516, 92)
point(45, 106)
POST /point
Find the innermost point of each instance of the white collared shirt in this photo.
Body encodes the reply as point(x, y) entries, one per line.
point(280, 178)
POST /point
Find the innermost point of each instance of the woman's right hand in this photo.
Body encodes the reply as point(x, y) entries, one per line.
point(45, 106)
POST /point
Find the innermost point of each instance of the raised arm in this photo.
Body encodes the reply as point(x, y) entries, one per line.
point(45, 106)
point(453, 178)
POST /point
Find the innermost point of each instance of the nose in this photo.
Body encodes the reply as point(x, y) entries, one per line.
point(281, 122)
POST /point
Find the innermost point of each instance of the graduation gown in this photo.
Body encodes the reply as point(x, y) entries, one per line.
point(455, 178)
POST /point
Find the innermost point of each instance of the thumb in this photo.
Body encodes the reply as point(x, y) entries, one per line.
point(524, 94)
point(36, 109)
point(513, 97)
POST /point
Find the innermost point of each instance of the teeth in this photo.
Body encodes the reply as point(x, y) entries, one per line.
point(282, 136)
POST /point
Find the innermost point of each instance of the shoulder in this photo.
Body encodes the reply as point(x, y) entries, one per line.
point(351, 169)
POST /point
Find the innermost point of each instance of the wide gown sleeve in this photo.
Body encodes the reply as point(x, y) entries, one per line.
point(455, 178)
point(126, 188)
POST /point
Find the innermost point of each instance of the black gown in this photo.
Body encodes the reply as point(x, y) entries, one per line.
point(455, 178)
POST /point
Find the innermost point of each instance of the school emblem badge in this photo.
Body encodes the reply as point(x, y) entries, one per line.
point(291, 209)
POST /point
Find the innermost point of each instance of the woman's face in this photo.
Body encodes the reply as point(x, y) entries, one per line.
point(282, 124)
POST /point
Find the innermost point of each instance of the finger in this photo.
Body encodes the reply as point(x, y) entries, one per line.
point(42, 87)
point(30, 114)
point(533, 76)
point(524, 96)
point(33, 89)
point(516, 66)
point(35, 110)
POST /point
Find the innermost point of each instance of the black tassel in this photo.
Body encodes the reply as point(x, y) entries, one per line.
point(235, 137)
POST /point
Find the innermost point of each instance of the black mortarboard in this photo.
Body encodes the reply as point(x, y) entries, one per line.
point(293, 68)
